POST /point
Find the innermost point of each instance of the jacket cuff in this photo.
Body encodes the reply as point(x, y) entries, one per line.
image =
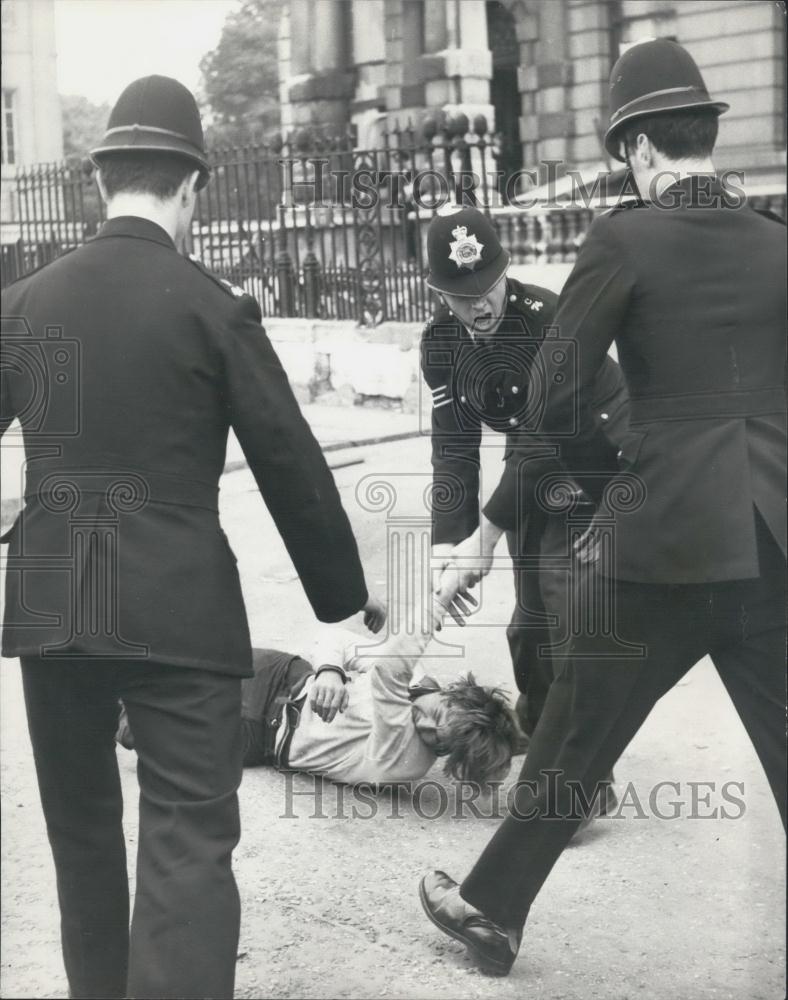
point(333, 666)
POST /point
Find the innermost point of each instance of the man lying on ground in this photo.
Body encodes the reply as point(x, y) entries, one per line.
point(367, 714)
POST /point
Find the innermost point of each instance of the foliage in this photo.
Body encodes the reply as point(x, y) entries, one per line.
point(84, 124)
point(240, 76)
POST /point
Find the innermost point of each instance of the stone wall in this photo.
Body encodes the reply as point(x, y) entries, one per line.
point(340, 362)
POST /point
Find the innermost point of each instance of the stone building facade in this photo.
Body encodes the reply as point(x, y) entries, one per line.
point(537, 69)
point(32, 130)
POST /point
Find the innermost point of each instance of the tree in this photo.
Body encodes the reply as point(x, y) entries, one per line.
point(241, 75)
point(84, 124)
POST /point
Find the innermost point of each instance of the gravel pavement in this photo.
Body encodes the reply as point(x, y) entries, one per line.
point(638, 907)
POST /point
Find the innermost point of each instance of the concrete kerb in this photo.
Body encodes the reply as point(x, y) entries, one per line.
point(238, 464)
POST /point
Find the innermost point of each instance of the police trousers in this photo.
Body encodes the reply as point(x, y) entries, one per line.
point(186, 722)
point(528, 633)
point(596, 705)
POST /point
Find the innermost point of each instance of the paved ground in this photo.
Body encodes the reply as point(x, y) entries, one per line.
point(659, 909)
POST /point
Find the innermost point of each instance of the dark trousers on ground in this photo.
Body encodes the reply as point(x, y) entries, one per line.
point(186, 722)
point(595, 707)
point(528, 630)
point(278, 677)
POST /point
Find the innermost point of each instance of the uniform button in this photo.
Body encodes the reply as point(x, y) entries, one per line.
point(512, 298)
point(620, 453)
point(603, 416)
point(513, 421)
point(462, 399)
point(515, 389)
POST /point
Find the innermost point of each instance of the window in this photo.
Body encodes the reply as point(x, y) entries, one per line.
point(9, 130)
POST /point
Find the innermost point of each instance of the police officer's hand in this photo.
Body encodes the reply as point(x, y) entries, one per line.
point(459, 606)
point(375, 613)
point(587, 546)
point(441, 556)
point(473, 559)
point(329, 695)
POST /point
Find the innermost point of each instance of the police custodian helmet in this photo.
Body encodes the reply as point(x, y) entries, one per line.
point(464, 253)
point(156, 114)
point(651, 77)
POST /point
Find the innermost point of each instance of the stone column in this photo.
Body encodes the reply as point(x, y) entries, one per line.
point(435, 38)
point(320, 85)
point(369, 61)
point(547, 123)
point(589, 38)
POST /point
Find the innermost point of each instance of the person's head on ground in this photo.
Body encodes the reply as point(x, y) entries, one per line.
point(472, 726)
point(467, 267)
point(662, 119)
point(152, 161)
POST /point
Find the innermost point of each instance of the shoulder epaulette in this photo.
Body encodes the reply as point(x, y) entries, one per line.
point(442, 317)
point(528, 299)
point(29, 274)
point(226, 286)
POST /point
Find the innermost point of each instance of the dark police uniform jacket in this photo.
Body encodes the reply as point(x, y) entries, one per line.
point(127, 364)
point(498, 383)
point(693, 293)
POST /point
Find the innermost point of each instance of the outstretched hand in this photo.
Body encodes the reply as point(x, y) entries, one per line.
point(453, 596)
point(472, 558)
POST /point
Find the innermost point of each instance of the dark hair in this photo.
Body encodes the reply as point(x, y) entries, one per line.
point(158, 174)
point(679, 135)
point(480, 734)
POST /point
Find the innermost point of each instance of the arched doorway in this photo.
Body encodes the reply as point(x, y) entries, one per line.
point(504, 92)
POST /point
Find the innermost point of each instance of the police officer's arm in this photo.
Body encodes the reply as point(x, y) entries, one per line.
point(455, 458)
point(528, 461)
point(591, 308)
point(531, 457)
point(290, 469)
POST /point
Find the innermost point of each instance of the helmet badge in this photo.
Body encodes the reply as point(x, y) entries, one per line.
point(466, 251)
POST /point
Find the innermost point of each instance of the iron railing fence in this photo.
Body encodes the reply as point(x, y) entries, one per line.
point(317, 227)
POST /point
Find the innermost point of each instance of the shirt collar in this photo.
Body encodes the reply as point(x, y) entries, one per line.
point(136, 227)
point(697, 190)
point(425, 685)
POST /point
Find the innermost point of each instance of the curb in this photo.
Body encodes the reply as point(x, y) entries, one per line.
point(239, 464)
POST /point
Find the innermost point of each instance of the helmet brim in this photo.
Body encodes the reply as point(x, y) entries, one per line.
point(656, 104)
point(137, 139)
point(469, 284)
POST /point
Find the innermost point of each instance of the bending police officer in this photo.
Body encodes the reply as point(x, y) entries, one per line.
point(478, 357)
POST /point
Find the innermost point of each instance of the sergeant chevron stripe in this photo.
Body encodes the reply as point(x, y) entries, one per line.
point(439, 397)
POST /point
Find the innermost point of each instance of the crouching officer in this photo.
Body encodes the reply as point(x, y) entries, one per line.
point(477, 357)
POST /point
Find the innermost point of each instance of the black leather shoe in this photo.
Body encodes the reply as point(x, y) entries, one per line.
point(489, 944)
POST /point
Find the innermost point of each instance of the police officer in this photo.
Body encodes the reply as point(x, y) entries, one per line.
point(477, 357)
point(690, 286)
point(121, 583)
